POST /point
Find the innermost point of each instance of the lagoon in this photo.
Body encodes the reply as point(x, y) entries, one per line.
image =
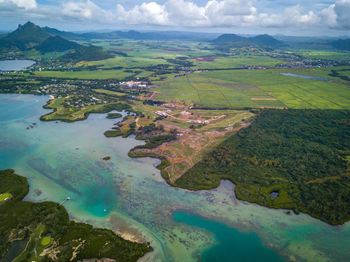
point(130, 196)
point(15, 65)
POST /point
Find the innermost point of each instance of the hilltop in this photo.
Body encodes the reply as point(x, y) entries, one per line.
point(44, 39)
point(343, 44)
point(232, 40)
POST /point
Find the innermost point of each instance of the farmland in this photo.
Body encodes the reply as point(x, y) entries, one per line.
point(255, 89)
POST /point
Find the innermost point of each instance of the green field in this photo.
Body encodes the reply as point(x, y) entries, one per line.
point(237, 62)
point(125, 62)
point(45, 241)
point(5, 196)
point(93, 74)
point(328, 55)
point(256, 88)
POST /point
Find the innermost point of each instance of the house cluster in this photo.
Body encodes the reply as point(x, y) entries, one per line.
point(198, 121)
point(133, 84)
point(163, 113)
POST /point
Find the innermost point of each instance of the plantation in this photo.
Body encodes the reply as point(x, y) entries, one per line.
point(256, 89)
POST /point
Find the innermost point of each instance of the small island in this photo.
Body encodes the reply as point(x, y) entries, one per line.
point(45, 232)
point(114, 115)
point(106, 158)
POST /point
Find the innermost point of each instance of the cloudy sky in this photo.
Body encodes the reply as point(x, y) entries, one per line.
point(294, 17)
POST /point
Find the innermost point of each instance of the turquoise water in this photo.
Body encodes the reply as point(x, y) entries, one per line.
point(130, 197)
point(232, 245)
point(15, 65)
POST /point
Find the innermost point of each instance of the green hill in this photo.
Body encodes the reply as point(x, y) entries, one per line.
point(24, 37)
point(227, 41)
point(86, 53)
point(342, 44)
point(56, 44)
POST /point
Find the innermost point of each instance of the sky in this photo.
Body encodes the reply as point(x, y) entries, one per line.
point(288, 17)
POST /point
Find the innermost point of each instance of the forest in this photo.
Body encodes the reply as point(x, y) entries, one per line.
point(303, 155)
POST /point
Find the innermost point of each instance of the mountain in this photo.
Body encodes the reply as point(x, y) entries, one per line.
point(29, 36)
point(160, 35)
point(229, 38)
point(85, 53)
point(342, 44)
point(266, 40)
point(63, 34)
point(227, 41)
point(56, 44)
point(25, 37)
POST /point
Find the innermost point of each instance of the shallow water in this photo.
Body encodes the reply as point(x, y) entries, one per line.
point(129, 195)
point(15, 65)
point(306, 77)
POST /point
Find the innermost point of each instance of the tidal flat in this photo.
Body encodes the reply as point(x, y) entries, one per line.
point(130, 196)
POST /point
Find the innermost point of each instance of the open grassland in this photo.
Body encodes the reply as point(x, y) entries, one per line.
point(256, 89)
point(328, 55)
point(238, 61)
point(109, 92)
point(210, 92)
point(125, 62)
point(93, 74)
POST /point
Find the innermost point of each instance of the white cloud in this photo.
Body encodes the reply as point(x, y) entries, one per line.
point(214, 13)
point(342, 11)
point(26, 4)
point(146, 13)
point(85, 10)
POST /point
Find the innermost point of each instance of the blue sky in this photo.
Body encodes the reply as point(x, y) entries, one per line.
point(293, 17)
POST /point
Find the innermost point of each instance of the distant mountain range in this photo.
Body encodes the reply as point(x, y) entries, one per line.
point(45, 39)
point(343, 44)
point(232, 40)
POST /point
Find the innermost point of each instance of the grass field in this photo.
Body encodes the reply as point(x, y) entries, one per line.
point(256, 88)
point(5, 196)
point(45, 241)
point(236, 62)
point(329, 55)
point(125, 62)
point(94, 74)
point(109, 92)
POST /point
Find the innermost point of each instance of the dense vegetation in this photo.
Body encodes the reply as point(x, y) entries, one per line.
point(113, 115)
point(85, 53)
point(301, 154)
point(68, 241)
point(56, 44)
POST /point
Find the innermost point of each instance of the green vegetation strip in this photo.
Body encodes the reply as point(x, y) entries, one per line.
point(48, 230)
point(299, 154)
